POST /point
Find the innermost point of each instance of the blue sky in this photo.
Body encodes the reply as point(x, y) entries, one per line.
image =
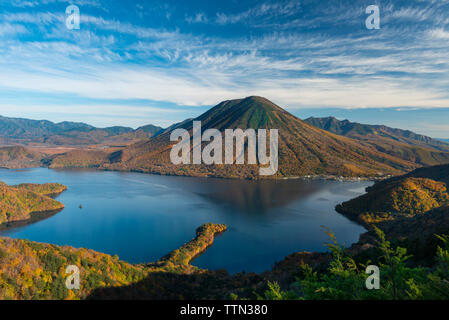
point(138, 62)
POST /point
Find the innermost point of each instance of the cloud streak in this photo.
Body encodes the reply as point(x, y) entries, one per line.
point(295, 53)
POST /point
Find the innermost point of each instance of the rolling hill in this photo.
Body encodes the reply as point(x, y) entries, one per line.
point(31, 270)
point(412, 194)
point(303, 148)
point(25, 131)
point(19, 157)
point(20, 203)
point(403, 144)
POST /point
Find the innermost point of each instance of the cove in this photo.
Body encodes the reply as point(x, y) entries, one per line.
point(142, 217)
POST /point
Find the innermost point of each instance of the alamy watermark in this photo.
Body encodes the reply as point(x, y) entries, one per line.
point(373, 280)
point(73, 280)
point(73, 17)
point(373, 20)
point(213, 152)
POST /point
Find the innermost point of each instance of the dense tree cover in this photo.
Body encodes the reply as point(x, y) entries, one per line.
point(344, 278)
point(30, 270)
point(18, 203)
point(204, 238)
point(46, 189)
point(415, 193)
point(408, 238)
point(389, 199)
point(410, 246)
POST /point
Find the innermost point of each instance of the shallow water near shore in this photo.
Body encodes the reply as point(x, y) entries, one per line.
point(142, 217)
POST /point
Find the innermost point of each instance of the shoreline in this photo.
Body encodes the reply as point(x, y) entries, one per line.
point(35, 216)
point(169, 257)
point(321, 177)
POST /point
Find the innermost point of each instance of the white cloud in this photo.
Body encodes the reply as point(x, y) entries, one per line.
point(261, 10)
point(28, 4)
point(198, 18)
point(203, 87)
point(7, 29)
point(390, 68)
point(439, 34)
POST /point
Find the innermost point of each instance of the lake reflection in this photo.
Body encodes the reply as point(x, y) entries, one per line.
point(142, 217)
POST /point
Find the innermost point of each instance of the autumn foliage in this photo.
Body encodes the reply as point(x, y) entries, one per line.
point(19, 203)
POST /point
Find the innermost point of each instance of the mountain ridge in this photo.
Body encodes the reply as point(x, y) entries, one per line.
point(348, 128)
point(27, 131)
point(303, 148)
point(400, 143)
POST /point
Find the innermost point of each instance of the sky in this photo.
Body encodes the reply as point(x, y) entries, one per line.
point(133, 63)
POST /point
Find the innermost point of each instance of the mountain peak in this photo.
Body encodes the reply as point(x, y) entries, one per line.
point(251, 112)
point(258, 99)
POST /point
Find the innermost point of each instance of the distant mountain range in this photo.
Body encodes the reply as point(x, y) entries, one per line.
point(24, 131)
point(303, 149)
point(404, 144)
point(316, 146)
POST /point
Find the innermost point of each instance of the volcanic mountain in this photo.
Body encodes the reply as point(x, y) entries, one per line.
point(403, 144)
point(303, 149)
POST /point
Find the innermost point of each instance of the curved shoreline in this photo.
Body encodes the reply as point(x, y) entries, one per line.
point(35, 217)
point(267, 178)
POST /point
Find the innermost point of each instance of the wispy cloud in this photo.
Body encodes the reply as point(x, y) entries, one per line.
point(270, 10)
point(7, 29)
point(295, 53)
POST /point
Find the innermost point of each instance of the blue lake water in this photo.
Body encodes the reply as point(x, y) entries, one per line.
point(142, 217)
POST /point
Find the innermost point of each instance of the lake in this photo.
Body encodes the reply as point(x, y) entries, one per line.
point(142, 217)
